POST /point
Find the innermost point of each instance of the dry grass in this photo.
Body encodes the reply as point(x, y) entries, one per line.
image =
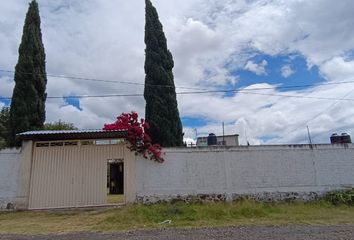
point(181, 215)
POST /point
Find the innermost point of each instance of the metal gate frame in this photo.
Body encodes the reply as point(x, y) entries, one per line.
point(70, 174)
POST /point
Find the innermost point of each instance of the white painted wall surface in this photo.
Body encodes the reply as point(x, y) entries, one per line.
point(247, 170)
point(9, 171)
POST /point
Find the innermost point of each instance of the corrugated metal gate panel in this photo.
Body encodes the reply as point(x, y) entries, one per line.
point(71, 176)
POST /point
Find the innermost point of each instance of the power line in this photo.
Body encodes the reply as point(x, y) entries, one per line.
point(330, 107)
point(102, 80)
point(241, 91)
point(200, 91)
point(87, 96)
point(322, 112)
point(180, 87)
point(300, 96)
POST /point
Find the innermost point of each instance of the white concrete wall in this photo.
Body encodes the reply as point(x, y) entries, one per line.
point(9, 172)
point(246, 170)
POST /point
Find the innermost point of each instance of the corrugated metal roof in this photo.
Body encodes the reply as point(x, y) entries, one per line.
point(68, 131)
point(71, 134)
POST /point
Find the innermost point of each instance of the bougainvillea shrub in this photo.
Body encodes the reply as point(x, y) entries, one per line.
point(139, 140)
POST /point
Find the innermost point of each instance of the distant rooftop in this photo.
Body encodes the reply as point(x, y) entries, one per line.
point(226, 140)
point(71, 134)
point(220, 136)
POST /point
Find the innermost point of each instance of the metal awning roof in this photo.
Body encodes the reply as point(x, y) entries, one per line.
point(71, 134)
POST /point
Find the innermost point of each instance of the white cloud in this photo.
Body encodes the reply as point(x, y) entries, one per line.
point(287, 71)
point(259, 69)
point(338, 69)
point(7, 84)
point(256, 117)
point(190, 142)
point(192, 44)
point(209, 40)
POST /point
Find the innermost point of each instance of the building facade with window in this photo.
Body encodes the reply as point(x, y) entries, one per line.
point(227, 140)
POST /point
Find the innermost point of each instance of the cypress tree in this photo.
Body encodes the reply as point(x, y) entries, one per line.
point(161, 110)
point(27, 110)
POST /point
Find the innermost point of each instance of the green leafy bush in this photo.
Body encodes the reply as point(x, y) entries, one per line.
point(341, 197)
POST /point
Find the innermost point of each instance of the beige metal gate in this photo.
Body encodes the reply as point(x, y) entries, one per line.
point(70, 174)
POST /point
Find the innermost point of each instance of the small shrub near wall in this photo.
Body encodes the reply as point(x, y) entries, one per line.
point(341, 197)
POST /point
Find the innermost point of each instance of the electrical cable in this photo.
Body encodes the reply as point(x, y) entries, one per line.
point(181, 87)
point(201, 91)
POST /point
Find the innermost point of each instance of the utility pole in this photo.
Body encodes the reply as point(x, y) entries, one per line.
point(308, 132)
point(196, 133)
point(223, 134)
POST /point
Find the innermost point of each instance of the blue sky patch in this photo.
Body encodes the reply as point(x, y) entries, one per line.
point(193, 122)
point(300, 75)
point(281, 70)
point(6, 102)
point(267, 138)
point(73, 102)
point(10, 75)
point(349, 55)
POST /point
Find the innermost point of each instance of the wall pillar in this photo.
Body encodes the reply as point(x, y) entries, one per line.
point(23, 184)
point(129, 176)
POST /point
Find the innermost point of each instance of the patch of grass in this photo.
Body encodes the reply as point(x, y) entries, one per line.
point(46, 222)
point(181, 214)
point(115, 198)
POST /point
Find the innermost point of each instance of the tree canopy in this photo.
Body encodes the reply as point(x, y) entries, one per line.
point(161, 110)
point(27, 110)
point(59, 125)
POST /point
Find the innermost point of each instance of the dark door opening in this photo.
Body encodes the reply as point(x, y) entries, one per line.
point(116, 178)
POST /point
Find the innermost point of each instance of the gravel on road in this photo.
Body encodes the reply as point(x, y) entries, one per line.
point(342, 232)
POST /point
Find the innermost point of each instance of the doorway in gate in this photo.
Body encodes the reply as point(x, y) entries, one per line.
point(115, 181)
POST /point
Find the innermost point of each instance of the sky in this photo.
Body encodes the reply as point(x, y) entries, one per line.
point(292, 60)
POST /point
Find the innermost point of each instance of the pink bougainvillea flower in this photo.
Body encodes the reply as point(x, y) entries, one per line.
point(139, 140)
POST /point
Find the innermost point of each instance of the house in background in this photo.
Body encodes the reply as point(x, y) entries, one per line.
point(226, 140)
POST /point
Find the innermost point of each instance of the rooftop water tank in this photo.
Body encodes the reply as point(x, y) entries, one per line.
point(346, 138)
point(338, 139)
point(335, 138)
point(212, 139)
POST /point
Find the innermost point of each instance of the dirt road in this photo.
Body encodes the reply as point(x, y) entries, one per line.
point(343, 232)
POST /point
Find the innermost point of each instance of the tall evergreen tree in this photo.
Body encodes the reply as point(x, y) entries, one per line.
point(27, 110)
point(161, 110)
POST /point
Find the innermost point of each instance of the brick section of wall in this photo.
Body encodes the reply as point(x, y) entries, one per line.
point(9, 170)
point(261, 172)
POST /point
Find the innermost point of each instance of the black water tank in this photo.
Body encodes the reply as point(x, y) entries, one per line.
point(338, 139)
point(346, 138)
point(335, 138)
point(212, 139)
